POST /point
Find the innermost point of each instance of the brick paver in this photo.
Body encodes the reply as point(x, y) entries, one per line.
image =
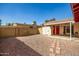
point(66, 47)
point(37, 45)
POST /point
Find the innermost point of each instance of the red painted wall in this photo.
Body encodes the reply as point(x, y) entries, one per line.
point(56, 30)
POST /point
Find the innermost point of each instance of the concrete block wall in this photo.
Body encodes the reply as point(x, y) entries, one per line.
point(12, 31)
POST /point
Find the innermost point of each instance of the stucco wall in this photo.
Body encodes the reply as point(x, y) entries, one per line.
point(61, 30)
point(46, 30)
point(76, 28)
point(40, 30)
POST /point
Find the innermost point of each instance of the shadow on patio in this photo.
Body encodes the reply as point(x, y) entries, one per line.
point(14, 47)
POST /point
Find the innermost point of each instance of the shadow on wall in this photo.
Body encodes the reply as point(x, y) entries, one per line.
point(14, 47)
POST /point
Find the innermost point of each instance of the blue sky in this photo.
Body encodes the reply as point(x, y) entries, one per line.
point(27, 12)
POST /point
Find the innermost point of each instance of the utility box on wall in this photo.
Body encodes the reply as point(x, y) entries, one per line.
point(46, 30)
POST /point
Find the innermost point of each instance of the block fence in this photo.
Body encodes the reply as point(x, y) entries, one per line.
point(12, 31)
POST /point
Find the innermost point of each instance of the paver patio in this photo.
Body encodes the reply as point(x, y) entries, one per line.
point(38, 45)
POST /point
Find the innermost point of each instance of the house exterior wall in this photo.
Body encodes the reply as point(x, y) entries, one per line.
point(76, 28)
point(46, 30)
point(40, 30)
point(49, 29)
point(55, 29)
point(61, 29)
point(52, 30)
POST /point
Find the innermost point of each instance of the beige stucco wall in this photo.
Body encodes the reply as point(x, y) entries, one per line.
point(49, 31)
point(76, 28)
point(61, 30)
point(46, 30)
point(40, 30)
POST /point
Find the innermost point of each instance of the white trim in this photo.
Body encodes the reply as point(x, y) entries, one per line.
point(60, 22)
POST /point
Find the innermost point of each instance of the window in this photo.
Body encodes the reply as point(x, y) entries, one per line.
point(67, 29)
